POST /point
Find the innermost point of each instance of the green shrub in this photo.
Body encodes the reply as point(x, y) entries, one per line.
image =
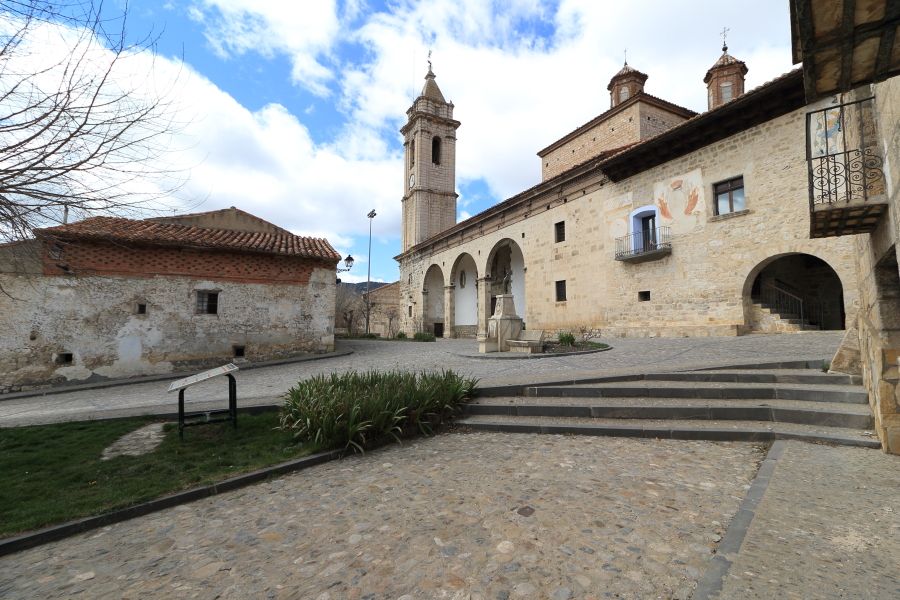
point(360, 410)
point(566, 338)
point(424, 336)
point(401, 335)
point(370, 336)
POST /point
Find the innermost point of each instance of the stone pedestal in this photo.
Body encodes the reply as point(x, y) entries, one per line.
point(504, 325)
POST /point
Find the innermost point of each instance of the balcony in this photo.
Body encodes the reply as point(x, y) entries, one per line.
point(846, 180)
point(641, 246)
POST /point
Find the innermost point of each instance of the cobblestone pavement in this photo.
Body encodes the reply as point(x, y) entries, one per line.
point(265, 385)
point(462, 515)
point(827, 527)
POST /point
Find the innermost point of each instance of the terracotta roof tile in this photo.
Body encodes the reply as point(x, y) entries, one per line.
point(116, 229)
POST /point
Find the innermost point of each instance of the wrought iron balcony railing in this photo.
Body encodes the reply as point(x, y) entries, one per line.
point(644, 245)
point(846, 177)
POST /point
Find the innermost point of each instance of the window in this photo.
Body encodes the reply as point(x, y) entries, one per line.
point(238, 351)
point(644, 296)
point(207, 302)
point(410, 310)
point(412, 152)
point(141, 309)
point(623, 94)
point(561, 291)
point(725, 91)
point(560, 231)
point(729, 196)
point(64, 358)
point(462, 279)
point(436, 150)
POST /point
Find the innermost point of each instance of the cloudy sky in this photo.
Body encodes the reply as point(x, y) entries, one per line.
point(294, 106)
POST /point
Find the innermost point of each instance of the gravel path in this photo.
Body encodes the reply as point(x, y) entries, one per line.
point(477, 515)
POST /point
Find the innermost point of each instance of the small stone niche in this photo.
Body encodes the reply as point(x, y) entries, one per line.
point(238, 351)
point(64, 358)
point(644, 296)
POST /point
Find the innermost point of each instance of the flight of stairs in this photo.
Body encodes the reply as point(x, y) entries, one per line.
point(765, 319)
point(750, 403)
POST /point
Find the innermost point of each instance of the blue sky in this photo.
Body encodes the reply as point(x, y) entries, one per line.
point(293, 108)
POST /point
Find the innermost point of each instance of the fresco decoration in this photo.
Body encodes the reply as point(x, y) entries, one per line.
point(617, 216)
point(680, 202)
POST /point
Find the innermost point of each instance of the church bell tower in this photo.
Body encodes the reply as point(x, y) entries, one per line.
point(429, 187)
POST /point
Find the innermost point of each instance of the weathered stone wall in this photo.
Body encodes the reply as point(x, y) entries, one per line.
point(616, 131)
point(701, 288)
point(879, 279)
point(384, 316)
point(95, 319)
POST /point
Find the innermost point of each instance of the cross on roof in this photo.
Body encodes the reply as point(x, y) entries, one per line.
point(725, 31)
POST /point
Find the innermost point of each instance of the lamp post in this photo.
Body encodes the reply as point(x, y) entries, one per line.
point(348, 262)
point(371, 216)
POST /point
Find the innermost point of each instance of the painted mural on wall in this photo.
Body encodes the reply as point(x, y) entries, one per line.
point(680, 202)
point(617, 217)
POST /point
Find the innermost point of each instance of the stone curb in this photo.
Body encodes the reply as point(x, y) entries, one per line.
point(803, 416)
point(674, 433)
point(58, 532)
point(636, 374)
point(710, 584)
point(524, 356)
point(96, 385)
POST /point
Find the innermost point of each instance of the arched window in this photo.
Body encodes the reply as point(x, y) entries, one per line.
point(412, 152)
point(623, 94)
point(436, 150)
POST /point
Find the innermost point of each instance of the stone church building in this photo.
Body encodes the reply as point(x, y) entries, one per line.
point(649, 220)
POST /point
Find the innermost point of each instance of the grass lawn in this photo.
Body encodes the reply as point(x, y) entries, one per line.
point(53, 473)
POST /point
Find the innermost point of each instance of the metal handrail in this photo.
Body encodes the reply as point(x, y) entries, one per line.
point(644, 241)
point(844, 164)
point(784, 300)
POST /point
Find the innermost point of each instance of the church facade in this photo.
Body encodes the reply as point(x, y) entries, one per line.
point(649, 220)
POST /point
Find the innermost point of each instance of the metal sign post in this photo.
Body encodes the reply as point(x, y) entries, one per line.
point(190, 419)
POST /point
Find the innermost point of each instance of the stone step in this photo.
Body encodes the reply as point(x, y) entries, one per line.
point(704, 389)
point(851, 416)
point(802, 376)
point(749, 431)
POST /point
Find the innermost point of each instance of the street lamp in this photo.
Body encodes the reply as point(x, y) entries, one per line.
point(371, 216)
point(348, 262)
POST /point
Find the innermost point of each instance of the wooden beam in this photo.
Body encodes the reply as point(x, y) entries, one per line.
point(882, 67)
point(848, 43)
point(807, 45)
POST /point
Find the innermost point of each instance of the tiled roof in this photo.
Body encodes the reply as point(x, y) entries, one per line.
point(116, 229)
point(725, 60)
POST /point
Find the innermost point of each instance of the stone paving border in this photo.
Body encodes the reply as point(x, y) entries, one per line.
point(64, 530)
point(523, 355)
point(108, 383)
point(711, 582)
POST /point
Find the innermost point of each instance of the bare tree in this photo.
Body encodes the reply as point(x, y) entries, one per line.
point(392, 315)
point(349, 308)
point(83, 131)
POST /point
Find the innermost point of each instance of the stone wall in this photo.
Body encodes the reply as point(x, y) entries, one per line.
point(701, 288)
point(879, 280)
point(96, 319)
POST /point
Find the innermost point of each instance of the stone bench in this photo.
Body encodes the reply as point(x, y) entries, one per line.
point(530, 341)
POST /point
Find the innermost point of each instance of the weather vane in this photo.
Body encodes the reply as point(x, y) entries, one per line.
point(429, 59)
point(626, 56)
point(725, 31)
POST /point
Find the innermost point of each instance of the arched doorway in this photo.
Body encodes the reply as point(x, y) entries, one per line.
point(793, 292)
point(506, 268)
point(433, 301)
point(464, 278)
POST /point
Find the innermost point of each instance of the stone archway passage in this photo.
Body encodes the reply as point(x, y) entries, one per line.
point(433, 301)
point(794, 292)
point(506, 268)
point(464, 279)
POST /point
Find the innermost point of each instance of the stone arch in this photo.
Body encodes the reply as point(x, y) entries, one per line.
point(506, 258)
point(783, 285)
point(464, 279)
point(433, 301)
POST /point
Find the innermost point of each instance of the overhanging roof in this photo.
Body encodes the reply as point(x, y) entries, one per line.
point(845, 43)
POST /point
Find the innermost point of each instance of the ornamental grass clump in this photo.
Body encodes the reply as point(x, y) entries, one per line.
point(362, 410)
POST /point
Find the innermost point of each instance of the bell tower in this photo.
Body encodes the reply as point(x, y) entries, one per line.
point(429, 186)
